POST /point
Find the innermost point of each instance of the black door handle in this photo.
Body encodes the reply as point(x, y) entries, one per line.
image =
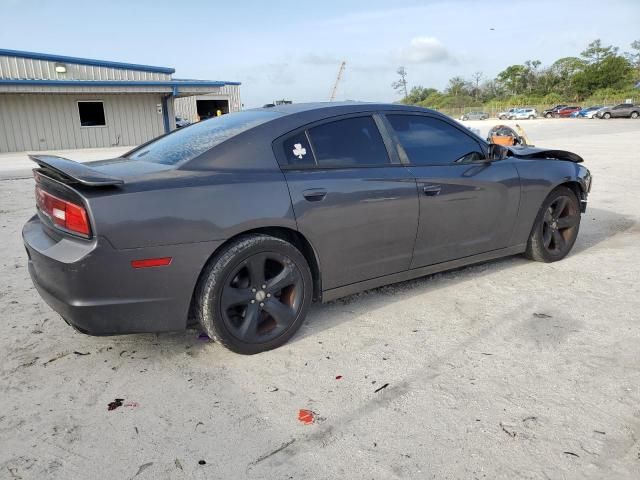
point(431, 190)
point(314, 194)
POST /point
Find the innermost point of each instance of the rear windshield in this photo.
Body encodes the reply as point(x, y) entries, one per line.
point(189, 142)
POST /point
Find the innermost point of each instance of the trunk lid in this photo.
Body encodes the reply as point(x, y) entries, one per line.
point(102, 173)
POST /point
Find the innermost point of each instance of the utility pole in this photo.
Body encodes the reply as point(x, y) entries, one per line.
point(338, 78)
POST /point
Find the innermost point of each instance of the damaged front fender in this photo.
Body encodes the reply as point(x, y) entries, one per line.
point(535, 153)
point(544, 154)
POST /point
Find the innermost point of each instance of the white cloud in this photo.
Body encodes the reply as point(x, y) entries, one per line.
point(424, 50)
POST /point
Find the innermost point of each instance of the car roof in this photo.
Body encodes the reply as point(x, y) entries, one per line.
point(332, 108)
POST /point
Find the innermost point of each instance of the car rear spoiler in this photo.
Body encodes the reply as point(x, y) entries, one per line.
point(74, 171)
point(544, 154)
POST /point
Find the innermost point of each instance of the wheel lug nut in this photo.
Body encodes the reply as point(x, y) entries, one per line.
point(268, 295)
point(253, 290)
point(262, 304)
point(264, 286)
point(253, 301)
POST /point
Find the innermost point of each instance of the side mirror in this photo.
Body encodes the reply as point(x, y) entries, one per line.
point(497, 152)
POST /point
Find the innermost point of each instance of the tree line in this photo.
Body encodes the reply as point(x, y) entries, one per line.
point(600, 72)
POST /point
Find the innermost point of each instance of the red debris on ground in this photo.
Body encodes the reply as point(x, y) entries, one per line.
point(306, 416)
point(338, 377)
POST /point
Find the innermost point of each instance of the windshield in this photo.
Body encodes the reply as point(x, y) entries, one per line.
point(189, 142)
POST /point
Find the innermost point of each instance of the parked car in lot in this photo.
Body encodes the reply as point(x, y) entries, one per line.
point(565, 112)
point(624, 110)
point(584, 113)
point(594, 113)
point(239, 222)
point(182, 122)
point(506, 114)
point(550, 112)
point(524, 114)
point(474, 116)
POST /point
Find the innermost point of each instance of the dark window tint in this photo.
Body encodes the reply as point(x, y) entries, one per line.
point(189, 142)
point(349, 142)
point(297, 150)
point(91, 114)
point(429, 141)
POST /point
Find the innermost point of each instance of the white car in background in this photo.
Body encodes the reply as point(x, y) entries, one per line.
point(524, 114)
point(506, 114)
point(593, 113)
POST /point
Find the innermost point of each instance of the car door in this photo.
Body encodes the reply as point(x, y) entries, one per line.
point(618, 111)
point(468, 205)
point(352, 198)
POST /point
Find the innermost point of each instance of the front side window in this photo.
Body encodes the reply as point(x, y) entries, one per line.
point(189, 142)
point(91, 114)
point(350, 142)
point(429, 141)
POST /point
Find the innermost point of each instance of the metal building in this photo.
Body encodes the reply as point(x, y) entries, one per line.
point(53, 102)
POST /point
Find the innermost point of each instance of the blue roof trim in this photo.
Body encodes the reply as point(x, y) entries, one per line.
point(118, 83)
point(85, 61)
point(184, 81)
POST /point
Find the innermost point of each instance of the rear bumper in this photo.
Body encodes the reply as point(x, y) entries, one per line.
point(95, 289)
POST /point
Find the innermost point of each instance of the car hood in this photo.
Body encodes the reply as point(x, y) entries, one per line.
point(539, 153)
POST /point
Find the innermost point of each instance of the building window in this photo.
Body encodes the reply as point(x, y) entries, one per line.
point(91, 114)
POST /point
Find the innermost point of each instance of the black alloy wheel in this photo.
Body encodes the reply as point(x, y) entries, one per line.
point(559, 224)
point(254, 294)
point(556, 227)
point(261, 297)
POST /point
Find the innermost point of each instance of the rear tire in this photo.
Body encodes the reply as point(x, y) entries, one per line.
point(606, 116)
point(556, 227)
point(254, 294)
point(548, 115)
point(635, 115)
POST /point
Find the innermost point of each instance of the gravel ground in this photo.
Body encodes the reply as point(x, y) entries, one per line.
point(510, 369)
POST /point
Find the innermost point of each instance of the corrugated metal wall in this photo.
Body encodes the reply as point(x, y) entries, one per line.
point(30, 68)
point(52, 122)
point(186, 106)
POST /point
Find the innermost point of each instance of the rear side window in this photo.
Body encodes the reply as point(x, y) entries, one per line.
point(189, 142)
point(298, 151)
point(350, 142)
point(429, 141)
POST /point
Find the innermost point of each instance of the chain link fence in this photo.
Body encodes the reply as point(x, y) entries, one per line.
point(495, 108)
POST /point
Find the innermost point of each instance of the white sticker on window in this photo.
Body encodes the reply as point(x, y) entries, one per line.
point(299, 151)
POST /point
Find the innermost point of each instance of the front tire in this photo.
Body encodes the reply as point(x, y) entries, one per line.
point(254, 294)
point(556, 227)
point(548, 115)
point(606, 116)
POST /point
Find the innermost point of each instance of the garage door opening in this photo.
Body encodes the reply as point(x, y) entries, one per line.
point(209, 108)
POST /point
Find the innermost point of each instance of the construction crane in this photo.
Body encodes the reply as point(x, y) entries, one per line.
point(338, 78)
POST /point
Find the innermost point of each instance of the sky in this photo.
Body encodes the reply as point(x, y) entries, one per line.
point(293, 49)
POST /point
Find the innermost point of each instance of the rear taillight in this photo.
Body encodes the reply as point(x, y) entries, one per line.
point(63, 213)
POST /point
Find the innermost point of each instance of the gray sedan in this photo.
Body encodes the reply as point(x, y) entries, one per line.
point(240, 222)
point(474, 116)
point(624, 110)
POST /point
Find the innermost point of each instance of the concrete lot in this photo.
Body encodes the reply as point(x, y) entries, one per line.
point(510, 369)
